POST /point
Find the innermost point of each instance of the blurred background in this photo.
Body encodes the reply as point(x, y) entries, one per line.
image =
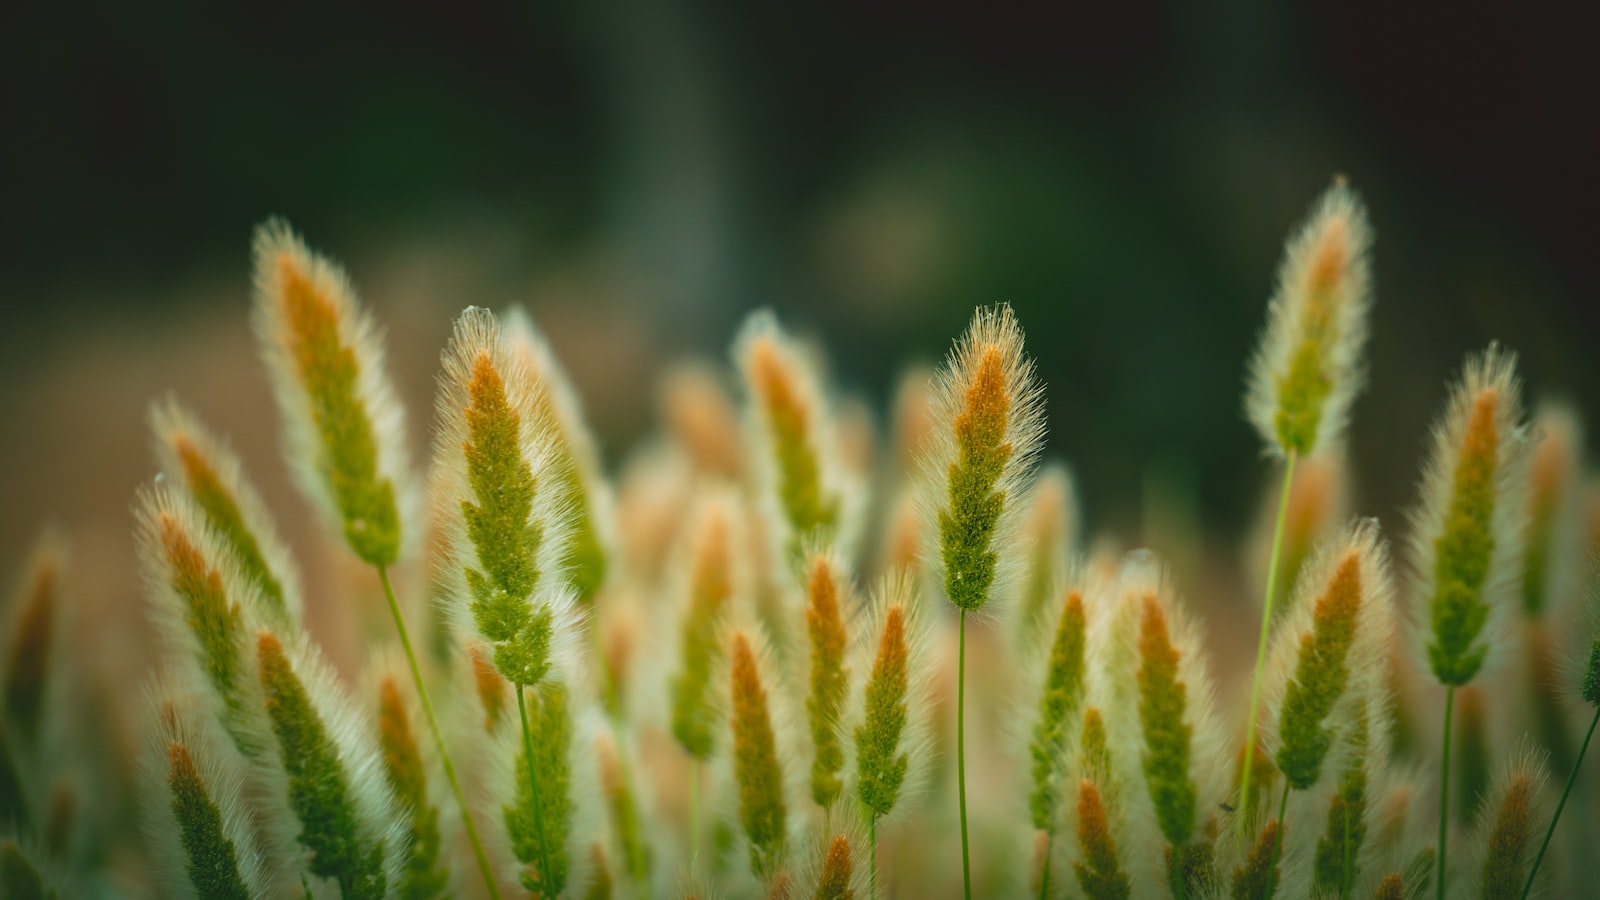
point(642, 175)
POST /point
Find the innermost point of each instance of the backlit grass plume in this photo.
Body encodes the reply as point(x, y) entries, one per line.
point(1326, 666)
point(796, 434)
point(1179, 743)
point(205, 610)
point(758, 770)
point(1098, 866)
point(1467, 535)
point(826, 589)
point(406, 767)
point(349, 823)
point(709, 588)
point(1513, 809)
point(1054, 722)
point(576, 459)
point(540, 820)
point(32, 646)
point(891, 723)
point(1308, 365)
point(197, 818)
point(209, 471)
point(344, 428)
point(988, 413)
point(1050, 530)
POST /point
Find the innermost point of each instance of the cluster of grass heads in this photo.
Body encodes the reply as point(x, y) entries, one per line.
point(732, 669)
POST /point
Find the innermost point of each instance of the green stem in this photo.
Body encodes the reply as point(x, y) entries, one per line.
point(1261, 643)
point(533, 784)
point(872, 852)
point(1444, 787)
point(1277, 840)
point(1571, 777)
point(438, 739)
point(961, 750)
point(1044, 873)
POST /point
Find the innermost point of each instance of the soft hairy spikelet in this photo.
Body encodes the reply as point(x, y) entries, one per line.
point(1513, 819)
point(1555, 530)
point(336, 783)
point(988, 428)
point(710, 586)
point(1179, 745)
point(826, 589)
point(344, 428)
point(623, 808)
point(211, 473)
point(1392, 887)
point(204, 609)
point(1064, 682)
point(426, 872)
point(501, 504)
point(892, 721)
point(539, 828)
point(1049, 529)
point(1338, 855)
point(197, 819)
point(762, 811)
point(1308, 366)
point(1099, 871)
point(834, 882)
point(1327, 652)
point(31, 638)
point(1467, 532)
point(1257, 878)
point(576, 458)
point(796, 433)
point(699, 413)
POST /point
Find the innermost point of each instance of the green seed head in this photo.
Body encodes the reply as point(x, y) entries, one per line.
point(830, 679)
point(1058, 704)
point(755, 763)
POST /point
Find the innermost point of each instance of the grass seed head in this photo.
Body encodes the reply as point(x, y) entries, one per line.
point(1513, 818)
point(988, 429)
point(891, 731)
point(1057, 715)
point(1468, 531)
point(426, 873)
point(506, 516)
point(576, 458)
point(208, 469)
point(834, 882)
point(1555, 529)
point(32, 646)
point(826, 590)
point(336, 782)
point(763, 812)
point(344, 428)
point(795, 433)
point(1098, 867)
point(1326, 652)
point(544, 832)
point(709, 589)
point(1308, 366)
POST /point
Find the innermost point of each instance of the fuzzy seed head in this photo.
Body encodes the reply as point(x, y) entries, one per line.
point(834, 883)
point(500, 505)
point(539, 829)
point(881, 767)
point(755, 762)
point(830, 679)
point(1514, 814)
point(346, 820)
point(623, 809)
point(1308, 366)
point(34, 609)
point(989, 424)
point(1063, 692)
point(710, 586)
point(1257, 879)
point(1335, 639)
point(1468, 533)
point(1099, 872)
point(1162, 698)
point(798, 435)
point(1393, 887)
point(426, 874)
point(211, 473)
point(1338, 854)
point(345, 430)
point(1554, 532)
point(575, 458)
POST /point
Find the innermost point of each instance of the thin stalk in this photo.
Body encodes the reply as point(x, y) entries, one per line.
point(533, 783)
point(438, 740)
point(1277, 840)
point(1444, 788)
point(1261, 643)
point(961, 750)
point(872, 852)
point(1044, 873)
point(1571, 777)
